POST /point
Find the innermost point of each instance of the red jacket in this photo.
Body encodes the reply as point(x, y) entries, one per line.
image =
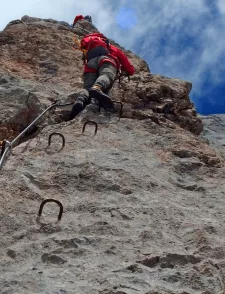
point(123, 60)
point(117, 57)
point(78, 17)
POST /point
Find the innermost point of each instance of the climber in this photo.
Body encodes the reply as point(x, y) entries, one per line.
point(80, 17)
point(76, 19)
point(102, 64)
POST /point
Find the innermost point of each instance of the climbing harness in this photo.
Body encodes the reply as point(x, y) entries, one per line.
point(51, 200)
point(90, 122)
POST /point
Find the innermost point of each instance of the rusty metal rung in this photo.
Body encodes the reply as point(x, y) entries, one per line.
point(51, 200)
point(56, 134)
point(92, 123)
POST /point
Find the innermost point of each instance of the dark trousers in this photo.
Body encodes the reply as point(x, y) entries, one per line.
point(104, 77)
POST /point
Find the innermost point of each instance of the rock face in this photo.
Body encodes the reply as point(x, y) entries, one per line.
point(143, 199)
point(42, 51)
point(214, 130)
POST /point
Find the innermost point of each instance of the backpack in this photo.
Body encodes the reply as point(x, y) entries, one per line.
point(88, 18)
point(94, 40)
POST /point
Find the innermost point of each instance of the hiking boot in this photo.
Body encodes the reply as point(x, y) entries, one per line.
point(77, 108)
point(104, 100)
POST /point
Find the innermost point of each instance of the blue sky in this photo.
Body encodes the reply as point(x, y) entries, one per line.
point(178, 38)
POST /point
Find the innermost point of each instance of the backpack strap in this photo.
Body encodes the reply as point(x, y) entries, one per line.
point(107, 44)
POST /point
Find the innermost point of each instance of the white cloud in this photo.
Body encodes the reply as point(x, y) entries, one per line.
point(56, 9)
point(166, 18)
point(221, 6)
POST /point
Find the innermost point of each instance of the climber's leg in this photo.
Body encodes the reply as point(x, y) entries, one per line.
point(83, 96)
point(107, 76)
